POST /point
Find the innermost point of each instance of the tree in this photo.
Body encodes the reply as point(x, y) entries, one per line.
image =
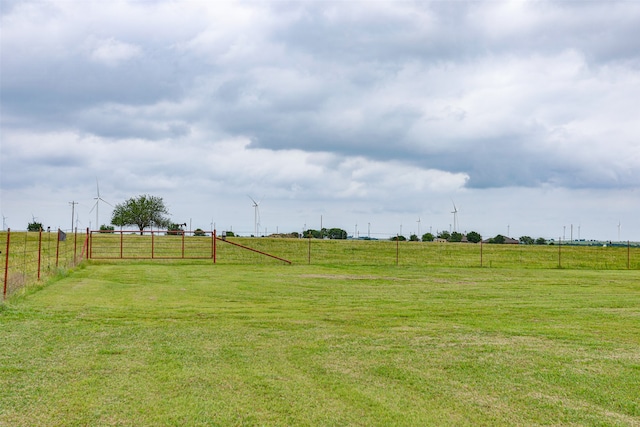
point(499, 239)
point(474, 237)
point(428, 237)
point(444, 235)
point(199, 232)
point(455, 237)
point(527, 240)
point(106, 228)
point(34, 226)
point(414, 238)
point(336, 233)
point(143, 211)
point(400, 238)
point(313, 234)
point(541, 241)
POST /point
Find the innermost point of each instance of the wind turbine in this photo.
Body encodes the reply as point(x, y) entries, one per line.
point(256, 215)
point(455, 217)
point(98, 199)
point(4, 222)
point(418, 221)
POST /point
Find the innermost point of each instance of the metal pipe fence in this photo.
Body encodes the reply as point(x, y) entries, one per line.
point(250, 250)
point(158, 244)
point(432, 254)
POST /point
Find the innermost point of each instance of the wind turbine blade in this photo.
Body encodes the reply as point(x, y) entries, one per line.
point(254, 202)
point(103, 200)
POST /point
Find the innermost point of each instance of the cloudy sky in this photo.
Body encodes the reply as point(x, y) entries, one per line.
point(372, 116)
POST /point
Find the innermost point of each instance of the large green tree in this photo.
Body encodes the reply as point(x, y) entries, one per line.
point(336, 233)
point(474, 237)
point(456, 237)
point(428, 237)
point(143, 211)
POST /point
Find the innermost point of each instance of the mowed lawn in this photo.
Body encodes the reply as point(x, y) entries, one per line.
point(197, 344)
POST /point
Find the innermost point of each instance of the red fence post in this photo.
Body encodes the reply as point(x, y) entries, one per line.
point(121, 242)
point(213, 245)
point(182, 244)
point(39, 252)
point(152, 248)
point(6, 264)
point(85, 246)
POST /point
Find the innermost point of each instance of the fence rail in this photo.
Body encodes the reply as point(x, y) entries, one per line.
point(151, 245)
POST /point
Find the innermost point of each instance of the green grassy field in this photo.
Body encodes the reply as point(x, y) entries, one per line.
point(191, 343)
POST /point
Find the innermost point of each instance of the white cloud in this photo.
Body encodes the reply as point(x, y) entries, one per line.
point(111, 52)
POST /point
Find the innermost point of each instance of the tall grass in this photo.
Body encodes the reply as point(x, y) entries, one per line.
point(34, 256)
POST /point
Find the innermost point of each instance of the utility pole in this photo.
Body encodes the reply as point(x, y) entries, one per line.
point(73, 209)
